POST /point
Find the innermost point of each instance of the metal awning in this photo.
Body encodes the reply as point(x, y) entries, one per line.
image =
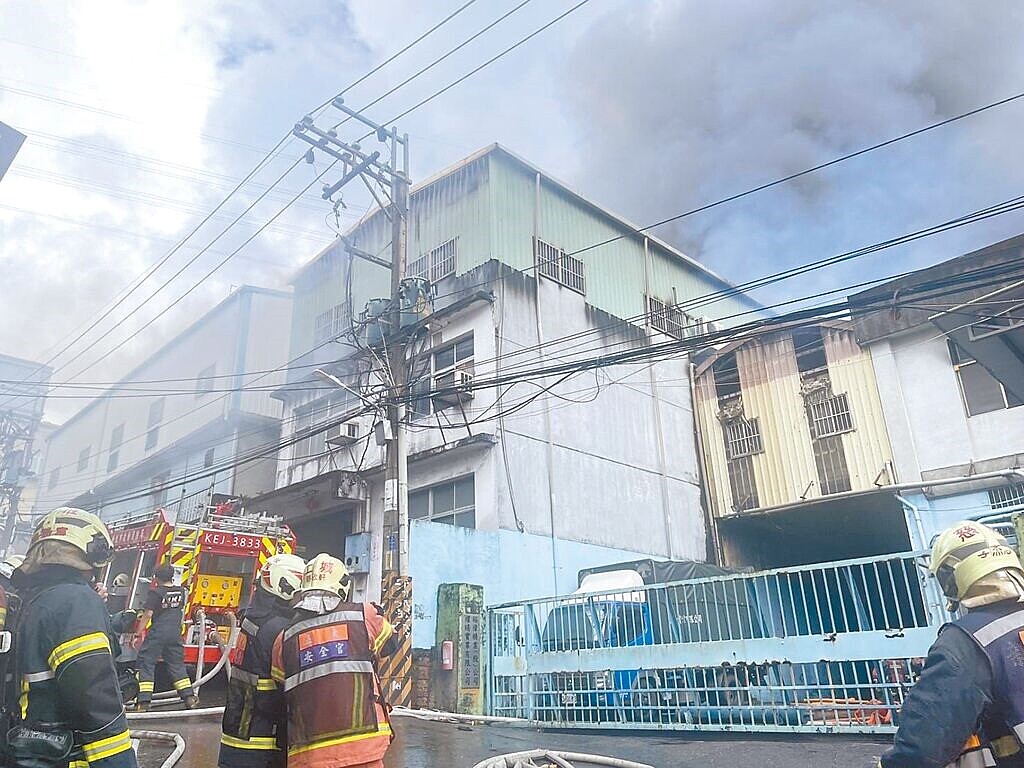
point(990, 328)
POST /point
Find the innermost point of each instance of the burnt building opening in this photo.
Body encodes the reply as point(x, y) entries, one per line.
point(809, 345)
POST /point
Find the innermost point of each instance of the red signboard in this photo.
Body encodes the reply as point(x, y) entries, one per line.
point(137, 537)
point(226, 542)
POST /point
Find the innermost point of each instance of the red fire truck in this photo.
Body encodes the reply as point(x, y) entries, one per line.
point(216, 558)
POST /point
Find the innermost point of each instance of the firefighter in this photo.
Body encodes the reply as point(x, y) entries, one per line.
point(250, 733)
point(70, 708)
point(326, 662)
point(163, 614)
point(967, 708)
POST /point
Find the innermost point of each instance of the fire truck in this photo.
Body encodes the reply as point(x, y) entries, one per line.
point(216, 558)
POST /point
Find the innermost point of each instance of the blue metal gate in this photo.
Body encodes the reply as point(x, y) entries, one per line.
point(823, 648)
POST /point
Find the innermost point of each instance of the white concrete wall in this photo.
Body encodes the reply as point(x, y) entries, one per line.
point(217, 340)
point(928, 424)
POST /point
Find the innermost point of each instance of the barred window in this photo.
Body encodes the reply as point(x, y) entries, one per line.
point(436, 263)
point(156, 416)
point(668, 318)
point(1007, 496)
point(565, 269)
point(831, 415)
point(330, 324)
point(743, 438)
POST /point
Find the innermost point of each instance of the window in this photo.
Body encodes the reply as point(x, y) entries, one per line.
point(666, 317)
point(54, 478)
point(727, 376)
point(116, 438)
point(830, 415)
point(208, 459)
point(563, 268)
point(742, 438)
point(310, 417)
point(204, 381)
point(436, 263)
point(451, 503)
point(809, 346)
point(980, 390)
point(438, 371)
point(331, 324)
point(158, 491)
point(83, 458)
point(1007, 496)
point(156, 415)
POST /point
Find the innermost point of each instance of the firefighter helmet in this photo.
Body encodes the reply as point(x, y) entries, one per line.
point(967, 552)
point(10, 564)
point(121, 580)
point(83, 530)
point(281, 575)
point(327, 574)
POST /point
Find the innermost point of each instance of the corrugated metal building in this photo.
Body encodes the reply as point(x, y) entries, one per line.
point(526, 272)
point(795, 446)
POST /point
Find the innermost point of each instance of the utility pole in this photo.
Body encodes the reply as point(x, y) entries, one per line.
point(393, 177)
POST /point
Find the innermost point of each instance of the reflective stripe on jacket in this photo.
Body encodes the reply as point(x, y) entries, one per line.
point(66, 668)
point(253, 726)
point(325, 664)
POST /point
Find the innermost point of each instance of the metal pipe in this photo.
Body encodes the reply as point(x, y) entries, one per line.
point(915, 513)
point(222, 662)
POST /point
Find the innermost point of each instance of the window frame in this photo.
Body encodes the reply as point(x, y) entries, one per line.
point(114, 451)
point(434, 516)
point(752, 439)
point(428, 383)
point(204, 380)
point(153, 423)
point(561, 267)
point(83, 458)
point(330, 324)
point(439, 262)
point(961, 360)
point(843, 417)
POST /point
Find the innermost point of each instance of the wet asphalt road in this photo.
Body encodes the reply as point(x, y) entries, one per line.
point(421, 744)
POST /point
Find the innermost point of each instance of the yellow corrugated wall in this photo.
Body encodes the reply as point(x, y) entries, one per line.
point(770, 390)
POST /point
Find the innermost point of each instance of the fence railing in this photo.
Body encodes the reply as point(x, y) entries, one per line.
point(821, 647)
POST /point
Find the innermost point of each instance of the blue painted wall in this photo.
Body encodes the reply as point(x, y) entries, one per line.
point(939, 513)
point(509, 566)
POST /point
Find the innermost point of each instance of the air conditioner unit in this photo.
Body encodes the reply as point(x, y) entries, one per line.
point(344, 434)
point(456, 389)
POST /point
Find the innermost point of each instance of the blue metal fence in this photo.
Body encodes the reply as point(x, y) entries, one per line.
point(830, 647)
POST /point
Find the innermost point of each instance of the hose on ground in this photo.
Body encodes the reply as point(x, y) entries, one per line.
point(173, 738)
point(175, 714)
point(222, 662)
point(455, 717)
point(560, 759)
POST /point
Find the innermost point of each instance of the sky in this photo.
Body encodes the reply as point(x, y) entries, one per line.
point(142, 116)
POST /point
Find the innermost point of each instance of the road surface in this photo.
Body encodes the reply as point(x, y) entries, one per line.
point(421, 744)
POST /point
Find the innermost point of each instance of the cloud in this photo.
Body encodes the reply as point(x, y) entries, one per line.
point(690, 102)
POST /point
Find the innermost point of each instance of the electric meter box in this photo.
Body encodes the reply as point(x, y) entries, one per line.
point(357, 552)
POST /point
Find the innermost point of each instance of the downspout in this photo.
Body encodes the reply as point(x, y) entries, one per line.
point(915, 516)
point(666, 510)
point(549, 446)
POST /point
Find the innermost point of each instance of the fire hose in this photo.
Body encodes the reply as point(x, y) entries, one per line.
point(173, 738)
point(543, 758)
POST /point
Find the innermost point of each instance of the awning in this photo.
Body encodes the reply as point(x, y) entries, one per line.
point(990, 329)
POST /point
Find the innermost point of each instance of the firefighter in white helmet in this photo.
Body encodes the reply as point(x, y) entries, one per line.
point(250, 733)
point(326, 662)
point(967, 708)
point(71, 710)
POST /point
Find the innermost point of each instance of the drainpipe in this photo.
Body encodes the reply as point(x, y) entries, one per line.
point(549, 446)
point(915, 515)
point(666, 510)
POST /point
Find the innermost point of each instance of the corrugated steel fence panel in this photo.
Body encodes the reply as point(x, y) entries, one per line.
point(831, 647)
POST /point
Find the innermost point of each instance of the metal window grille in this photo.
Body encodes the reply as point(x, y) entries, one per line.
point(436, 263)
point(831, 415)
point(563, 268)
point(667, 318)
point(83, 458)
point(743, 438)
point(1007, 496)
point(330, 324)
point(204, 381)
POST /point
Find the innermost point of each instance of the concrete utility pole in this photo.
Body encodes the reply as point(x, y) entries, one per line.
point(393, 176)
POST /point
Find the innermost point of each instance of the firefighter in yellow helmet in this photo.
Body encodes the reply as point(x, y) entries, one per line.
point(70, 707)
point(252, 735)
point(326, 662)
point(967, 709)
